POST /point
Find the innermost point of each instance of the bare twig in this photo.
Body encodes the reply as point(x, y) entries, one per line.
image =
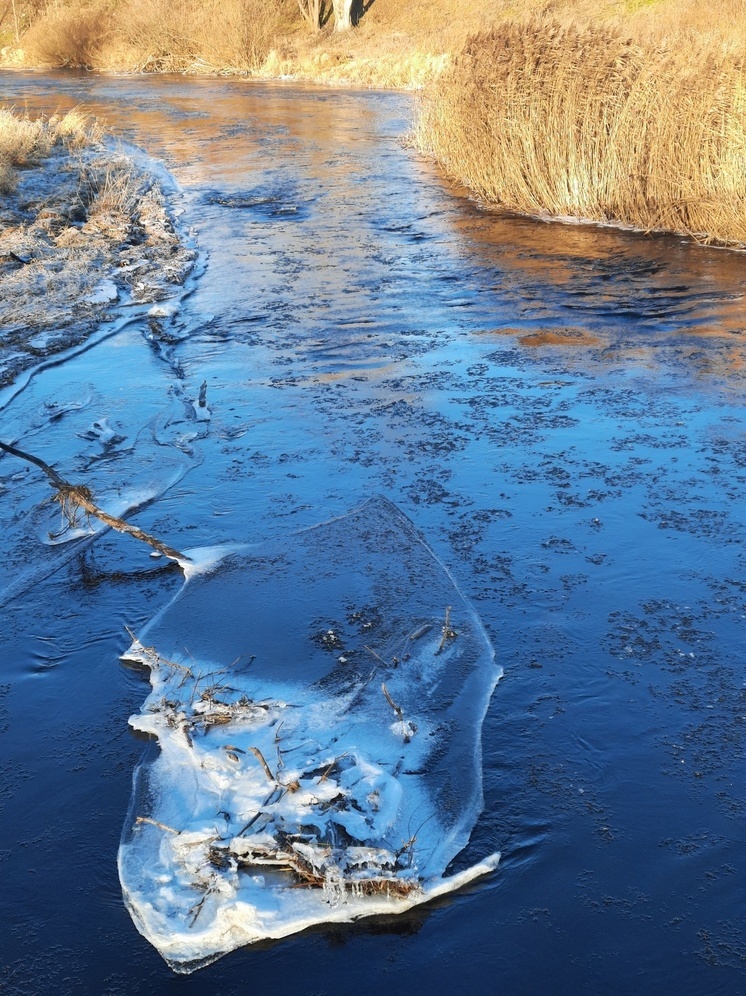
point(406, 846)
point(155, 823)
point(197, 908)
point(325, 774)
point(260, 811)
point(449, 633)
point(73, 497)
point(394, 706)
point(372, 651)
point(260, 758)
point(155, 658)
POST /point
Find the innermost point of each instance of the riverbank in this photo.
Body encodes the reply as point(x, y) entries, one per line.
point(82, 229)
point(628, 113)
point(391, 45)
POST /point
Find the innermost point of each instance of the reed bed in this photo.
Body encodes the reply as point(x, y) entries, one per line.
point(584, 122)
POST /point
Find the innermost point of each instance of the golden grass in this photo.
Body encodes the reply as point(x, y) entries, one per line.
point(394, 44)
point(231, 36)
point(70, 35)
point(570, 121)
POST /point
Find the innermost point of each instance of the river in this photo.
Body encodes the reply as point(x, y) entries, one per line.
point(557, 408)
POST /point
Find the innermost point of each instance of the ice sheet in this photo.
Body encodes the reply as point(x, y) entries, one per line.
point(318, 706)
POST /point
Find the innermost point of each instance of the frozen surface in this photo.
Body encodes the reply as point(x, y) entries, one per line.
point(318, 706)
point(559, 409)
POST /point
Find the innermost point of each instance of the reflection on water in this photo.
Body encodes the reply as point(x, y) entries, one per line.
point(559, 411)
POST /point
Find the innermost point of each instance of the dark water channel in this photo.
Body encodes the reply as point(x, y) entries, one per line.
point(558, 409)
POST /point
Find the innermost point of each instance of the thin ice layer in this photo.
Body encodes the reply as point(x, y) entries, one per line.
point(318, 706)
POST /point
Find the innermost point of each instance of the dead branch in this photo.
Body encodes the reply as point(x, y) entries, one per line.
point(449, 633)
point(326, 773)
point(260, 811)
point(372, 651)
point(420, 631)
point(73, 497)
point(406, 846)
point(197, 908)
point(154, 659)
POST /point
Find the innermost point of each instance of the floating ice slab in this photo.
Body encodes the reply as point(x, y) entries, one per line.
point(318, 707)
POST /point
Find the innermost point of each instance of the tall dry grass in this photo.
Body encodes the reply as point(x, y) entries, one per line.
point(68, 35)
point(558, 120)
point(158, 35)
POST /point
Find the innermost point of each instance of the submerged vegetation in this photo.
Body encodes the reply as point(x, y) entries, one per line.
point(627, 112)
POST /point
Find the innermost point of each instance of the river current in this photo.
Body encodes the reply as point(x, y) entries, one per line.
point(558, 409)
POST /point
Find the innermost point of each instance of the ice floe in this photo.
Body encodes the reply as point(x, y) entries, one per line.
point(317, 706)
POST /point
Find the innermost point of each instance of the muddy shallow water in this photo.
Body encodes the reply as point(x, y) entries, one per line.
point(558, 409)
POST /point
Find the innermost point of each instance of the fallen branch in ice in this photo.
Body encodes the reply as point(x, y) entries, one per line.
point(394, 706)
point(265, 767)
point(155, 823)
point(73, 497)
point(403, 727)
point(449, 633)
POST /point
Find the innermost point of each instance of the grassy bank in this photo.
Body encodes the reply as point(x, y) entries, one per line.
point(616, 111)
point(393, 43)
point(80, 227)
point(588, 122)
point(25, 143)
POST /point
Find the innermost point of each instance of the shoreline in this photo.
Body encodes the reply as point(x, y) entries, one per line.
point(87, 234)
point(522, 103)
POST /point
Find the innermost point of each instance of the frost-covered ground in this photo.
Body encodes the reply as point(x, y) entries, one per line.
point(82, 233)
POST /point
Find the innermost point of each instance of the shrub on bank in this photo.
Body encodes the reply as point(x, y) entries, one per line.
point(158, 35)
point(584, 122)
point(68, 36)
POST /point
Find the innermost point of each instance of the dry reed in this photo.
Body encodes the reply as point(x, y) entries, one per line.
point(564, 121)
point(69, 36)
point(159, 35)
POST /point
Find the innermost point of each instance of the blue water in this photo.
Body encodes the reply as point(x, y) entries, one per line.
point(559, 411)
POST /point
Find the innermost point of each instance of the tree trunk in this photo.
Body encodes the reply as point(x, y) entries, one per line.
point(343, 14)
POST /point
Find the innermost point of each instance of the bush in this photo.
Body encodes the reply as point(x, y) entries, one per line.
point(584, 122)
point(158, 35)
point(72, 36)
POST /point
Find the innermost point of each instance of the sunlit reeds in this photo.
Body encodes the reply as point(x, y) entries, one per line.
point(158, 35)
point(586, 123)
